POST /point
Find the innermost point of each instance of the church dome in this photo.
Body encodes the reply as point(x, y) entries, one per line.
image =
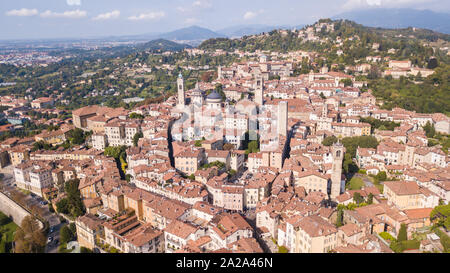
point(214, 96)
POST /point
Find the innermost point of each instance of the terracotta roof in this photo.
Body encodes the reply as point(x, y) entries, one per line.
point(403, 187)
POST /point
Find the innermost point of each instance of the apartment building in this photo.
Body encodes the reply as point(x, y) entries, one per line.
point(88, 228)
point(33, 176)
point(311, 234)
point(190, 160)
point(409, 195)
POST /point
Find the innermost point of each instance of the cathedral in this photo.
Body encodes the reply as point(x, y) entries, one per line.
point(198, 97)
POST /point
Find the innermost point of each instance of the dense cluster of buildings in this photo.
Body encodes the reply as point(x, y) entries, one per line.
point(29, 59)
point(236, 169)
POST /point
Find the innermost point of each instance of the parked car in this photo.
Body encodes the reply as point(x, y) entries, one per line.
point(49, 240)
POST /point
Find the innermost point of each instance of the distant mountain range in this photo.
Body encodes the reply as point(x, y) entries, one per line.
point(243, 30)
point(190, 34)
point(399, 18)
point(163, 45)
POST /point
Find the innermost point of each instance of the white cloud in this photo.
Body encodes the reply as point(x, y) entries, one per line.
point(72, 14)
point(109, 15)
point(191, 21)
point(202, 4)
point(249, 15)
point(196, 6)
point(182, 10)
point(74, 2)
point(148, 16)
point(22, 12)
point(354, 4)
point(252, 14)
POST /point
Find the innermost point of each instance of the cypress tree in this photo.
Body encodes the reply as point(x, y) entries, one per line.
point(402, 234)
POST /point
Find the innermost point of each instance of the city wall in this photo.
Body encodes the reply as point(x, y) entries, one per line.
point(13, 210)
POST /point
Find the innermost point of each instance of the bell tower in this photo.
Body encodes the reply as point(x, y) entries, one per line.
point(181, 95)
point(336, 175)
point(259, 90)
point(282, 118)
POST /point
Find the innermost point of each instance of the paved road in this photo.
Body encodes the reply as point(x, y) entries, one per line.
point(52, 245)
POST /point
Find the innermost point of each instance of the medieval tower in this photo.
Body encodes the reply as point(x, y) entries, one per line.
point(336, 175)
point(181, 95)
point(259, 91)
point(282, 118)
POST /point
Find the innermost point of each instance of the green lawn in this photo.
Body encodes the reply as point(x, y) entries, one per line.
point(7, 235)
point(356, 183)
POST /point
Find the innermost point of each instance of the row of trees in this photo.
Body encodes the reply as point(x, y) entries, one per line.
point(120, 155)
point(380, 124)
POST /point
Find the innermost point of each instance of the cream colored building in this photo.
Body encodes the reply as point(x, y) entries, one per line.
point(189, 161)
point(312, 181)
point(311, 234)
point(88, 227)
point(409, 195)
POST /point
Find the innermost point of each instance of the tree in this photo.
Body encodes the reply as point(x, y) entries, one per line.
point(74, 205)
point(253, 147)
point(340, 216)
point(358, 198)
point(136, 138)
point(136, 116)
point(76, 136)
point(113, 151)
point(347, 82)
point(381, 176)
point(63, 206)
point(440, 215)
point(191, 177)
point(85, 250)
point(370, 199)
point(73, 228)
point(351, 144)
point(65, 234)
point(29, 237)
point(328, 141)
point(430, 131)
point(432, 63)
point(402, 233)
point(4, 219)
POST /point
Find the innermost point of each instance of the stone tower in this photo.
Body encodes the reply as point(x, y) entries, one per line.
point(336, 175)
point(325, 111)
point(282, 118)
point(219, 72)
point(259, 91)
point(181, 95)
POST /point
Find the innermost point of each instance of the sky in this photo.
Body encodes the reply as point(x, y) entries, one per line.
point(44, 19)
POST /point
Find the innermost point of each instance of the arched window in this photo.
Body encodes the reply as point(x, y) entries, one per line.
point(338, 154)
